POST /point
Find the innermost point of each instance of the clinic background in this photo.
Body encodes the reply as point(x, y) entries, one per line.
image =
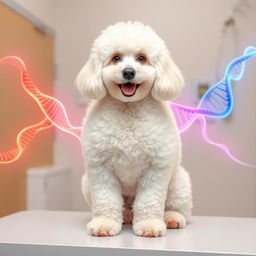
point(202, 40)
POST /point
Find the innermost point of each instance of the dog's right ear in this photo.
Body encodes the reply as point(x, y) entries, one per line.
point(89, 81)
point(169, 81)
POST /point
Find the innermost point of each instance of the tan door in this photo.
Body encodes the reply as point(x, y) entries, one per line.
point(18, 110)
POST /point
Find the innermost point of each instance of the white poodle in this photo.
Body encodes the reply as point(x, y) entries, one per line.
point(130, 141)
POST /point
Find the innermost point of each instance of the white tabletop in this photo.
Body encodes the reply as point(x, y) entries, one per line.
point(63, 233)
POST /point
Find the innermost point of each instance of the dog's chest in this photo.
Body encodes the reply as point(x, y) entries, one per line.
point(129, 140)
point(129, 148)
point(130, 135)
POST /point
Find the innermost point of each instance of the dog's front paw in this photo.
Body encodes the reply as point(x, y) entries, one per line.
point(102, 226)
point(174, 219)
point(149, 227)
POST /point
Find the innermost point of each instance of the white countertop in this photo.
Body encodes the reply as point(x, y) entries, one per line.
point(64, 233)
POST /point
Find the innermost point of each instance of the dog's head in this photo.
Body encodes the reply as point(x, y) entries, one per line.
point(129, 61)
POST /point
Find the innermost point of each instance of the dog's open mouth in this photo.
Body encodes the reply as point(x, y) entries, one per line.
point(128, 89)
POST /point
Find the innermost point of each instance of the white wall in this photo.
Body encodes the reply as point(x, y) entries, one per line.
point(192, 31)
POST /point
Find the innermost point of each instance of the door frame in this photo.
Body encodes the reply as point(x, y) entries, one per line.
point(40, 25)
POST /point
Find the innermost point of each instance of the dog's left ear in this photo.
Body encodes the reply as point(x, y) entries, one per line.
point(169, 81)
point(89, 81)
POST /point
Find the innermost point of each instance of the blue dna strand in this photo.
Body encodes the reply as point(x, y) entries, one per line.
point(217, 102)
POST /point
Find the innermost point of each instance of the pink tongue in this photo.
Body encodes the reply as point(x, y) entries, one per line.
point(128, 89)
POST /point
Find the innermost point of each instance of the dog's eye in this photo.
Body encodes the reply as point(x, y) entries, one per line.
point(116, 58)
point(141, 59)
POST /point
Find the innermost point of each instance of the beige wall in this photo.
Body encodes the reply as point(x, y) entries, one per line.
point(192, 31)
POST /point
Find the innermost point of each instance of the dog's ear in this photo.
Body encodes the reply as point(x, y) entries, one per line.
point(89, 81)
point(169, 81)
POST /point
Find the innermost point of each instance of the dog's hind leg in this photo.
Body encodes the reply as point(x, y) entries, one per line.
point(86, 190)
point(178, 203)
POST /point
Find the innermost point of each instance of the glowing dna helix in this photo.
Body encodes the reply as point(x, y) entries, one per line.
point(217, 102)
point(53, 109)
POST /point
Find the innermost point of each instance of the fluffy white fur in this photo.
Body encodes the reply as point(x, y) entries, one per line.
point(131, 145)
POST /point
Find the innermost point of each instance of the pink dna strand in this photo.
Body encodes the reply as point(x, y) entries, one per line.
point(217, 102)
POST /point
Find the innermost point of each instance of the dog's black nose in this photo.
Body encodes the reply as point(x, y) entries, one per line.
point(129, 73)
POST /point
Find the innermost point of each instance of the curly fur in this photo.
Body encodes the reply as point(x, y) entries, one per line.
point(131, 145)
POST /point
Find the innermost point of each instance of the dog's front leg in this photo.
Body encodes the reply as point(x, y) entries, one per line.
point(149, 204)
point(106, 202)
